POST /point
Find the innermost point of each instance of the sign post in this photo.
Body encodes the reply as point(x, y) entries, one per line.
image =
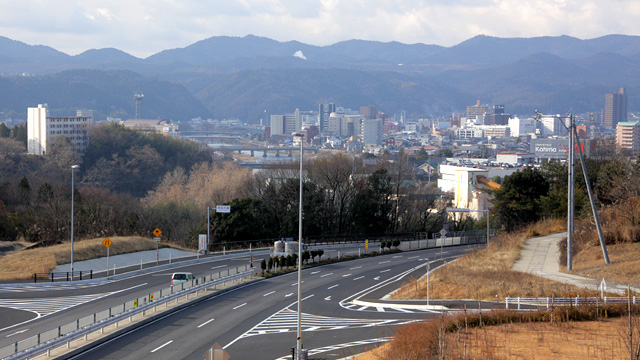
point(107, 242)
point(157, 234)
point(443, 234)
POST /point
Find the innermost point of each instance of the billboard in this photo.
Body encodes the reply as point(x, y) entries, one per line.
point(555, 148)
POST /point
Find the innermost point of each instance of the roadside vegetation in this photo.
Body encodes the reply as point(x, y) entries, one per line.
point(22, 264)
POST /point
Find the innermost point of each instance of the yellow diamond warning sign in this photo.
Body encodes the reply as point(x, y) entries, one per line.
point(107, 242)
point(157, 232)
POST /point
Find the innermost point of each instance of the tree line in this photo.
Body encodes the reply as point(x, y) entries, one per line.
point(130, 183)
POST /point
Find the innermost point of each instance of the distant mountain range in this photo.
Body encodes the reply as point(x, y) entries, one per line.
point(233, 77)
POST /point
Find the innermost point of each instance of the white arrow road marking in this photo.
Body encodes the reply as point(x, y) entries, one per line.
point(376, 278)
point(328, 298)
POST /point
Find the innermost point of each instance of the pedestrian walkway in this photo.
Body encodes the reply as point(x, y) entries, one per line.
point(541, 256)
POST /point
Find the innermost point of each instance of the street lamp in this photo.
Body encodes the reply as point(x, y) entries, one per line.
point(300, 137)
point(462, 210)
point(73, 167)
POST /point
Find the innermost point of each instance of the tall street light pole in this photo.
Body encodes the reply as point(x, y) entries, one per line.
point(73, 167)
point(300, 137)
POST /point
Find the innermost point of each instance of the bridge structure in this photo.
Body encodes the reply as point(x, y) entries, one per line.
point(277, 150)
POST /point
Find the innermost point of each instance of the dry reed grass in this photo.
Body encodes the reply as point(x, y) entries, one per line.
point(552, 334)
point(486, 274)
point(22, 264)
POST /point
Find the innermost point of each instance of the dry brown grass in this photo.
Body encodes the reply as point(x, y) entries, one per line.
point(551, 334)
point(624, 264)
point(486, 274)
point(22, 264)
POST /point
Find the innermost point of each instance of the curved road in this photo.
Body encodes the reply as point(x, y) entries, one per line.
point(258, 320)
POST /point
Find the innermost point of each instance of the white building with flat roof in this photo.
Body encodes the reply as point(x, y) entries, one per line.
point(41, 128)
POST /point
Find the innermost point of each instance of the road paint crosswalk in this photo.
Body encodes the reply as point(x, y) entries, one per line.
point(286, 320)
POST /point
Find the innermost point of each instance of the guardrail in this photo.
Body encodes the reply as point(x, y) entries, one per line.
point(62, 276)
point(64, 334)
point(573, 301)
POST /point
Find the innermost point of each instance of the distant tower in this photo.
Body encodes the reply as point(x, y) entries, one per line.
point(138, 96)
point(615, 108)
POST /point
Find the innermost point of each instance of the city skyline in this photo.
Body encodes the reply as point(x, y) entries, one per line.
point(147, 27)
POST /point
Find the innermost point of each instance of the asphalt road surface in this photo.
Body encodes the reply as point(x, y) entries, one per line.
point(259, 320)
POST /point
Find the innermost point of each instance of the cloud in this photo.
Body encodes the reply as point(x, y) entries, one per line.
point(145, 27)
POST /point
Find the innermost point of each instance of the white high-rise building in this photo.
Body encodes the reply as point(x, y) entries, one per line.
point(41, 128)
point(522, 126)
point(372, 132)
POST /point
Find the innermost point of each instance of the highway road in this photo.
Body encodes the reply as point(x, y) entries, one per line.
point(258, 320)
point(27, 309)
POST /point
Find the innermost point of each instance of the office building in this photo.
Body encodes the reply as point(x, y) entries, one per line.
point(615, 108)
point(477, 110)
point(286, 124)
point(369, 111)
point(522, 126)
point(42, 128)
point(324, 112)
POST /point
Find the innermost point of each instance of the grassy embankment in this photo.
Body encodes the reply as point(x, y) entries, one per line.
point(574, 333)
point(22, 264)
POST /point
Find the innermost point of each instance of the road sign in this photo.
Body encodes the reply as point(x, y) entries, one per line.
point(157, 232)
point(202, 242)
point(107, 242)
point(223, 208)
point(443, 233)
point(156, 239)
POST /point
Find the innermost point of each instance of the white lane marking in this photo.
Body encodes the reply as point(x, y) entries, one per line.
point(239, 306)
point(17, 332)
point(376, 278)
point(294, 284)
point(359, 277)
point(357, 267)
point(291, 294)
point(397, 256)
point(380, 309)
point(326, 274)
point(217, 267)
point(384, 262)
point(346, 275)
point(269, 293)
point(413, 257)
point(328, 298)
point(204, 323)
point(331, 287)
point(310, 296)
point(315, 272)
point(161, 346)
point(384, 271)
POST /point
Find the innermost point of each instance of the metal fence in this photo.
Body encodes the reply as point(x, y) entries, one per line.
point(63, 276)
point(548, 302)
point(53, 338)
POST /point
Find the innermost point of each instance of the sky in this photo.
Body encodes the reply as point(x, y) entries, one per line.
point(145, 27)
